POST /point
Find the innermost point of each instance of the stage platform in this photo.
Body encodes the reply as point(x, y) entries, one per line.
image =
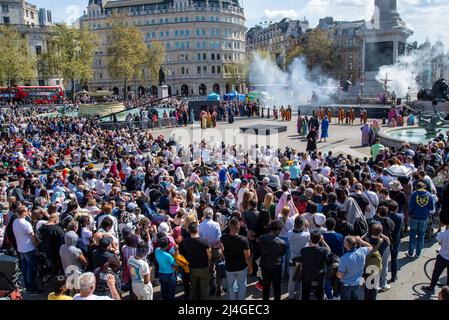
point(263, 130)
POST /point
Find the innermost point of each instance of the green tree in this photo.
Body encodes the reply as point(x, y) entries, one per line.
point(69, 54)
point(296, 52)
point(319, 51)
point(16, 62)
point(129, 56)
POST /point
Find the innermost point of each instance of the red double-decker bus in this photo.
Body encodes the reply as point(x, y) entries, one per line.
point(39, 94)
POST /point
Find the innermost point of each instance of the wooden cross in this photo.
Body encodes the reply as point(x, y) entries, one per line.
point(386, 80)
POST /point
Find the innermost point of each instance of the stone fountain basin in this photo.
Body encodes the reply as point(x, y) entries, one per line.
point(395, 137)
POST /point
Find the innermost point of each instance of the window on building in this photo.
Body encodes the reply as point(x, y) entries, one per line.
point(167, 45)
point(204, 69)
point(32, 15)
point(204, 56)
point(212, 56)
point(218, 56)
point(27, 13)
point(199, 56)
point(198, 69)
point(176, 33)
point(5, 8)
point(183, 70)
point(38, 50)
point(181, 32)
point(6, 20)
point(167, 34)
point(213, 69)
point(218, 69)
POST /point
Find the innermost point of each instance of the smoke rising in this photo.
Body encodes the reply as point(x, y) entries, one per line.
point(293, 87)
point(404, 74)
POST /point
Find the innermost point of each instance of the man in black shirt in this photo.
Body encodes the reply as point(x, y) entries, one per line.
point(237, 260)
point(313, 258)
point(272, 248)
point(52, 236)
point(198, 253)
point(104, 252)
point(358, 197)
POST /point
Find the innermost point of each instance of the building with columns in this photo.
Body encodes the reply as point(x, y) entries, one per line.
point(200, 38)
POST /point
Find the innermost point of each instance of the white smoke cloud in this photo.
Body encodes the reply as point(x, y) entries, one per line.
point(402, 75)
point(292, 87)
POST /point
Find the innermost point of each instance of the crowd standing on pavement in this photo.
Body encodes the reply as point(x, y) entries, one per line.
point(108, 214)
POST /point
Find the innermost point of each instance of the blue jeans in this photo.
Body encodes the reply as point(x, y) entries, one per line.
point(168, 286)
point(417, 228)
point(351, 293)
point(240, 277)
point(29, 269)
point(285, 258)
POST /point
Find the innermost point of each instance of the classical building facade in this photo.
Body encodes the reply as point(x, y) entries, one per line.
point(276, 38)
point(200, 39)
point(32, 22)
point(349, 46)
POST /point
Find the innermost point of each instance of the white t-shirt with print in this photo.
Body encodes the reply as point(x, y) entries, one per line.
point(138, 269)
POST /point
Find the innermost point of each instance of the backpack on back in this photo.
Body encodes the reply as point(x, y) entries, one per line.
point(374, 258)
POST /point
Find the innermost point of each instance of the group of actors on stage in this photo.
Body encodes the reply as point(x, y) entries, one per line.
point(343, 116)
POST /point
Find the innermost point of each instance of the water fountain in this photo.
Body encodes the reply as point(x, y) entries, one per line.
point(430, 125)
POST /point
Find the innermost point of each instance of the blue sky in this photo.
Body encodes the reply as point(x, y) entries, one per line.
point(427, 18)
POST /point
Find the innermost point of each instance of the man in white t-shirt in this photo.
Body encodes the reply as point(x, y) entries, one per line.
point(87, 285)
point(26, 246)
point(140, 273)
point(442, 262)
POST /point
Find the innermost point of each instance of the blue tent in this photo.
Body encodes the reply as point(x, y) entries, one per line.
point(232, 95)
point(213, 97)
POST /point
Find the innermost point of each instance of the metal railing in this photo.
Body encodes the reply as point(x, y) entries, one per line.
point(161, 123)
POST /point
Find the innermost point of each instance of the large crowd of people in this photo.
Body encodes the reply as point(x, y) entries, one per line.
point(111, 214)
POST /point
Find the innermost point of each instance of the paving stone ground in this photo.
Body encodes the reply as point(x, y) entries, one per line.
point(342, 139)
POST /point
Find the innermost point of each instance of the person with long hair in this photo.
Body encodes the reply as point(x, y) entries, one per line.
point(269, 205)
point(288, 224)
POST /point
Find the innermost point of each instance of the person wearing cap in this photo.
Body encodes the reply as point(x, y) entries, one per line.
point(272, 248)
point(140, 273)
point(314, 258)
point(319, 221)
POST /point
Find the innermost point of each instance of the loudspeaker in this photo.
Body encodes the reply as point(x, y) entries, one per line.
point(9, 272)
